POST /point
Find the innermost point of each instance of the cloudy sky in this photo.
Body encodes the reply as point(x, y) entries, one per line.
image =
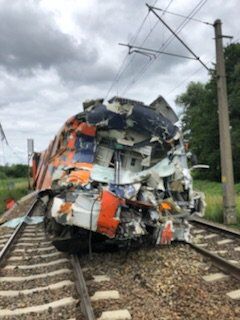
point(54, 54)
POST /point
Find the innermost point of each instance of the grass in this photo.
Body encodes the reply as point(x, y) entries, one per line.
point(12, 187)
point(213, 193)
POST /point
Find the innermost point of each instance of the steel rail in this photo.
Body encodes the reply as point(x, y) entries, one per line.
point(216, 226)
point(218, 262)
point(86, 305)
point(16, 232)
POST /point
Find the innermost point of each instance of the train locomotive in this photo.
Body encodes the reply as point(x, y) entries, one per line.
point(117, 174)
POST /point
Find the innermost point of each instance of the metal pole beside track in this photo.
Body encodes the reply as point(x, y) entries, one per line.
point(229, 203)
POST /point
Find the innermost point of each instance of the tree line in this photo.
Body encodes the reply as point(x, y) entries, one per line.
point(200, 116)
point(13, 171)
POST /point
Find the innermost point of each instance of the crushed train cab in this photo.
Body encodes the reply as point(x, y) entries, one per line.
point(117, 173)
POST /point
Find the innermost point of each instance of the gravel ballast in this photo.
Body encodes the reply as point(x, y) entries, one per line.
point(162, 283)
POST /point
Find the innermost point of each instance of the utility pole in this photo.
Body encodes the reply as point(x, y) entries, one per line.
point(229, 204)
point(30, 151)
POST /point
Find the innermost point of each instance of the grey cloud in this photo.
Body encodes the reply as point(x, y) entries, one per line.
point(30, 39)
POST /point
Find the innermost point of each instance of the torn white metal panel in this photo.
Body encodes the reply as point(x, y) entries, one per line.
point(125, 142)
point(146, 150)
point(155, 181)
point(86, 210)
point(162, 169)
point(124, 109)
point(104, 155)
point(102, 174)
point(129, 177)
point(161, 105)
point(131, 162)
point(57, 202)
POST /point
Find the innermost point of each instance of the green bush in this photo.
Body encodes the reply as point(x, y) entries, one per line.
point(14, 171)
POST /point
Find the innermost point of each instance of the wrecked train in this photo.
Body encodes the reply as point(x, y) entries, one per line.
point(117, 173)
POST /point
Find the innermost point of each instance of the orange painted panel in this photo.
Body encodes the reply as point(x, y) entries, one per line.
point(107, 223)
point(86, 129)
point(47, 182)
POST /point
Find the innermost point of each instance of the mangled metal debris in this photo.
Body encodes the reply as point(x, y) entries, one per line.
point(119, 170)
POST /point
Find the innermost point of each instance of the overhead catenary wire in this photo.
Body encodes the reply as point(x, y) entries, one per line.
point(121, 70)
point(181, 83)
point(182, 16)
point(3, 139)
point(192, 74)
point(180, 27)
point(176, 35)
point(165, 44)
point(156, 23)
point(133, 40)
point(148, 50)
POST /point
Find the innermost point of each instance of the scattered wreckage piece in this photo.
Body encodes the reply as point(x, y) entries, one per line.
point(117, 173)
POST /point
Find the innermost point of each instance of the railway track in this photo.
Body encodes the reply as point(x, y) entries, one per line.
point(221, 245)
point(39, 282)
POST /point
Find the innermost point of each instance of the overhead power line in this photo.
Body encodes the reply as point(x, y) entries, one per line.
point(122, 69)
point(180, 27)
point(182, 82)
point(191, 75)
point(3, 139)
point(182, 16)
point(176, 35)
point(134, 38)
point(149, 50)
